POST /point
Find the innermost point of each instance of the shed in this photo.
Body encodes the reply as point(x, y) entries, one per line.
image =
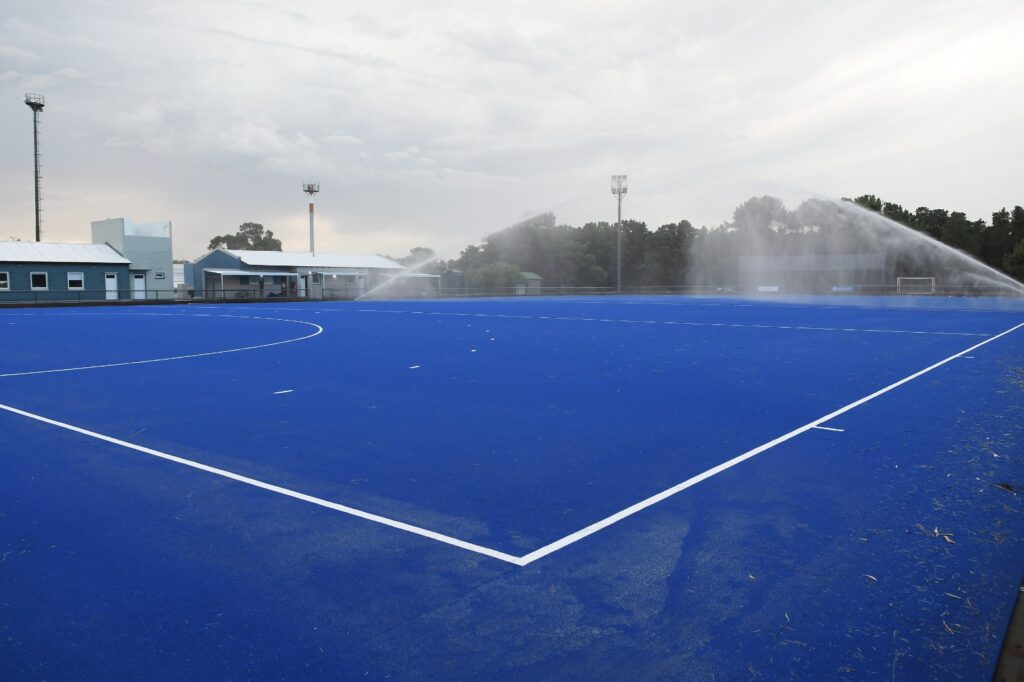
point(533, 282)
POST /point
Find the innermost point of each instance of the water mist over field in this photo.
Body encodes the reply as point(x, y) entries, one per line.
point(399, 285)
point(826, 245)
point(823, 246)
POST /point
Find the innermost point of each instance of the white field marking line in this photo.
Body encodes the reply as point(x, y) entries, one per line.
point(409, 528)
point(547, 549)
point(735, 325)
point(714, 471)
point(852, 306)
point(319, 330)
point(290, 390)
point(829, 428)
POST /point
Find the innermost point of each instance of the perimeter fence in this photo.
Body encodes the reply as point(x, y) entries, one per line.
point(250, 295)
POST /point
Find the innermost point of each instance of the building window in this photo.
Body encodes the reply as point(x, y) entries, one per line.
point(76, 281)
point(243, 280)
point(5, 281)
point(39, 281)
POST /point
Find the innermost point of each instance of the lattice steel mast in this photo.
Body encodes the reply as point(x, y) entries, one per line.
point(36, 103)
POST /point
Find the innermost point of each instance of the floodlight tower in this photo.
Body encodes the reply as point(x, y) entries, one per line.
point(36, 103)
point(619, 188)
point(311, 188)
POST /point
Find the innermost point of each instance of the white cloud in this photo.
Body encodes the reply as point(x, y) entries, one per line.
point(436, 123)
point(12, 52)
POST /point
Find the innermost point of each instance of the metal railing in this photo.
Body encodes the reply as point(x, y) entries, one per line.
point(44, 296)
point(250, 295)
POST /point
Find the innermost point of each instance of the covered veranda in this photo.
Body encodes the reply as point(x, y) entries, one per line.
point(252, 284)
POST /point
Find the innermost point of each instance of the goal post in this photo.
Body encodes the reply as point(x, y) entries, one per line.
point(915, 285)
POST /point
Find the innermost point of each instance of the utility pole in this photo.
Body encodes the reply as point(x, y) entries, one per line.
point(619, 188)
point(311, 188)
point(36, 103)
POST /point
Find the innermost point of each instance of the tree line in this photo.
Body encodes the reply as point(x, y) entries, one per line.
point(679, 254)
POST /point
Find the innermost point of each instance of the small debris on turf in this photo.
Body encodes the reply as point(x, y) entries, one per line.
point(871, 577)
point(414, 366)
point(953, 596)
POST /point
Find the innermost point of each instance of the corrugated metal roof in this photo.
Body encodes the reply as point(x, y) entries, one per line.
point(286, 259)
point(251, 273)
point(47, 252)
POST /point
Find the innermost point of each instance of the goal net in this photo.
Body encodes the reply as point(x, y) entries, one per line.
point(915, 285)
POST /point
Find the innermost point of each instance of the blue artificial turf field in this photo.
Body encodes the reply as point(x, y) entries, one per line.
point(454, 489)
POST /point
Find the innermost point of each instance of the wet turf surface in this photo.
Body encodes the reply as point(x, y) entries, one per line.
point(889, 546)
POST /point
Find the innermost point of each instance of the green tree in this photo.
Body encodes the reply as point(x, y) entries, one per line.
point(598, 241)
point(250, 236)
point(494, 276)
point(998, 241)
point(931, 221)
point(961, 234)
point(759, 214)
point(666, 255)
point(898, 213)
point(470, 258)
point(1014, 262)
point(634, 248)
point(868, 201)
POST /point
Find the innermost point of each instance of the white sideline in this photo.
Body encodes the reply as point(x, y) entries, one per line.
point(271, 487)
point(462, 544)
point(665, 322)
point(690, 482)
point(319, 330)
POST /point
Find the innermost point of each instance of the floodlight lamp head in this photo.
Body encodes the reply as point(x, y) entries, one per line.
point(311, 188)
point(619, 185)
point(37, 102)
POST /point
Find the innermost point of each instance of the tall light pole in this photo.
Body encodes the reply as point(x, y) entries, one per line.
point(619, 188)
point(36, 103)
point(311, 188)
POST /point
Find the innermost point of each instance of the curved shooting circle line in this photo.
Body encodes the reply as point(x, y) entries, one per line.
point(318, 328)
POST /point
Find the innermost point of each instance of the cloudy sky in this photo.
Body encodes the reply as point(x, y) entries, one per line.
point(435, 123)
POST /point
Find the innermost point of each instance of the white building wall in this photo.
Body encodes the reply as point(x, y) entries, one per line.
point(147, 246)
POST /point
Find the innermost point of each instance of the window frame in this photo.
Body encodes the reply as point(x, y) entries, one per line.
point(33, 287)
point(80, 277)
point(6, 284)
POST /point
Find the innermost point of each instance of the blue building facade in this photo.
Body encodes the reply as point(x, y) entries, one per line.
point(46, 272)
point(228, 274)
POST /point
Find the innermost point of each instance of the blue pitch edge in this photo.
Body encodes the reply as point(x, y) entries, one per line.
point(886, 547)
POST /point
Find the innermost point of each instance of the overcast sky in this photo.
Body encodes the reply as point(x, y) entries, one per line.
point(435, 123)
